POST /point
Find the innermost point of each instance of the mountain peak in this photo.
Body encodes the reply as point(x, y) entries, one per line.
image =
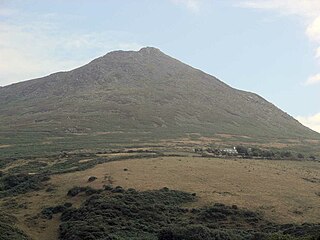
point(120, 55)
point(142, 91)
point(149, 50)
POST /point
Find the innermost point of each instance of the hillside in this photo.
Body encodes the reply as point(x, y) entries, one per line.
point(133, 145)
point(144, 93)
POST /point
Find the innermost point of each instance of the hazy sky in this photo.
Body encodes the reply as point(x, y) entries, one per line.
point(271, 47)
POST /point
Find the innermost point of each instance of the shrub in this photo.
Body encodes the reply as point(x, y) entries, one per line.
point(48, 212)
point(88, 191)
point(108, 187)
point(12, 185)
point(50, 189)
point(130, 214)
point(285, 154)
point(242, 150)
point(312, 157)
point(117, 189)
point(75, 191)
point(198, 232)
point(92, 178)
point(7, 229)
point(127, 214)
point(267, 154)
point(67, 204)
point(300, 156)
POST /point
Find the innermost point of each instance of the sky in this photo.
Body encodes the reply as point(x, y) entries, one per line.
point(270, 47)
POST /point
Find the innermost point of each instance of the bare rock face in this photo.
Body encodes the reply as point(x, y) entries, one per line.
point(145, 91)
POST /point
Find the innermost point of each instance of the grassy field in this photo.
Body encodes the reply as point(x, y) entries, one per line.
point(283, 191)
point(42, 144)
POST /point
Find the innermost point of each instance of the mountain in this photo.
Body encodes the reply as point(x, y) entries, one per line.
point(139, 92)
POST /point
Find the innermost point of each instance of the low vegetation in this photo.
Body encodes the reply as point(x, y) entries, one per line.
point(48, 212)
point(252, 152)
point(32, 173)
point(8, 231)
point(163, 214)
point(11, 185)
point(88, 190)
point(117, 213)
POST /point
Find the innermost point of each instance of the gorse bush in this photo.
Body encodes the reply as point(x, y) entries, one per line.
point(200, 232)
point(127, 214)
point(11, 185)
point(161, 214)
point(7, 229)
point(88, 190)
point(48, 212)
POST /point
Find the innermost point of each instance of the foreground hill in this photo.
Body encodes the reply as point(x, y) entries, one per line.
point(142, 92)
point(264, 199)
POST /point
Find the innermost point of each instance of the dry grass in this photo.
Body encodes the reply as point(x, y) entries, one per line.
point(36, 227)
point(276, 188)
point(121, 154)
point(279, 189)
point(5, 146)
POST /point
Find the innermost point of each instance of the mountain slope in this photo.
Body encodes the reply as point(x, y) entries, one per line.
point(143, 91)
